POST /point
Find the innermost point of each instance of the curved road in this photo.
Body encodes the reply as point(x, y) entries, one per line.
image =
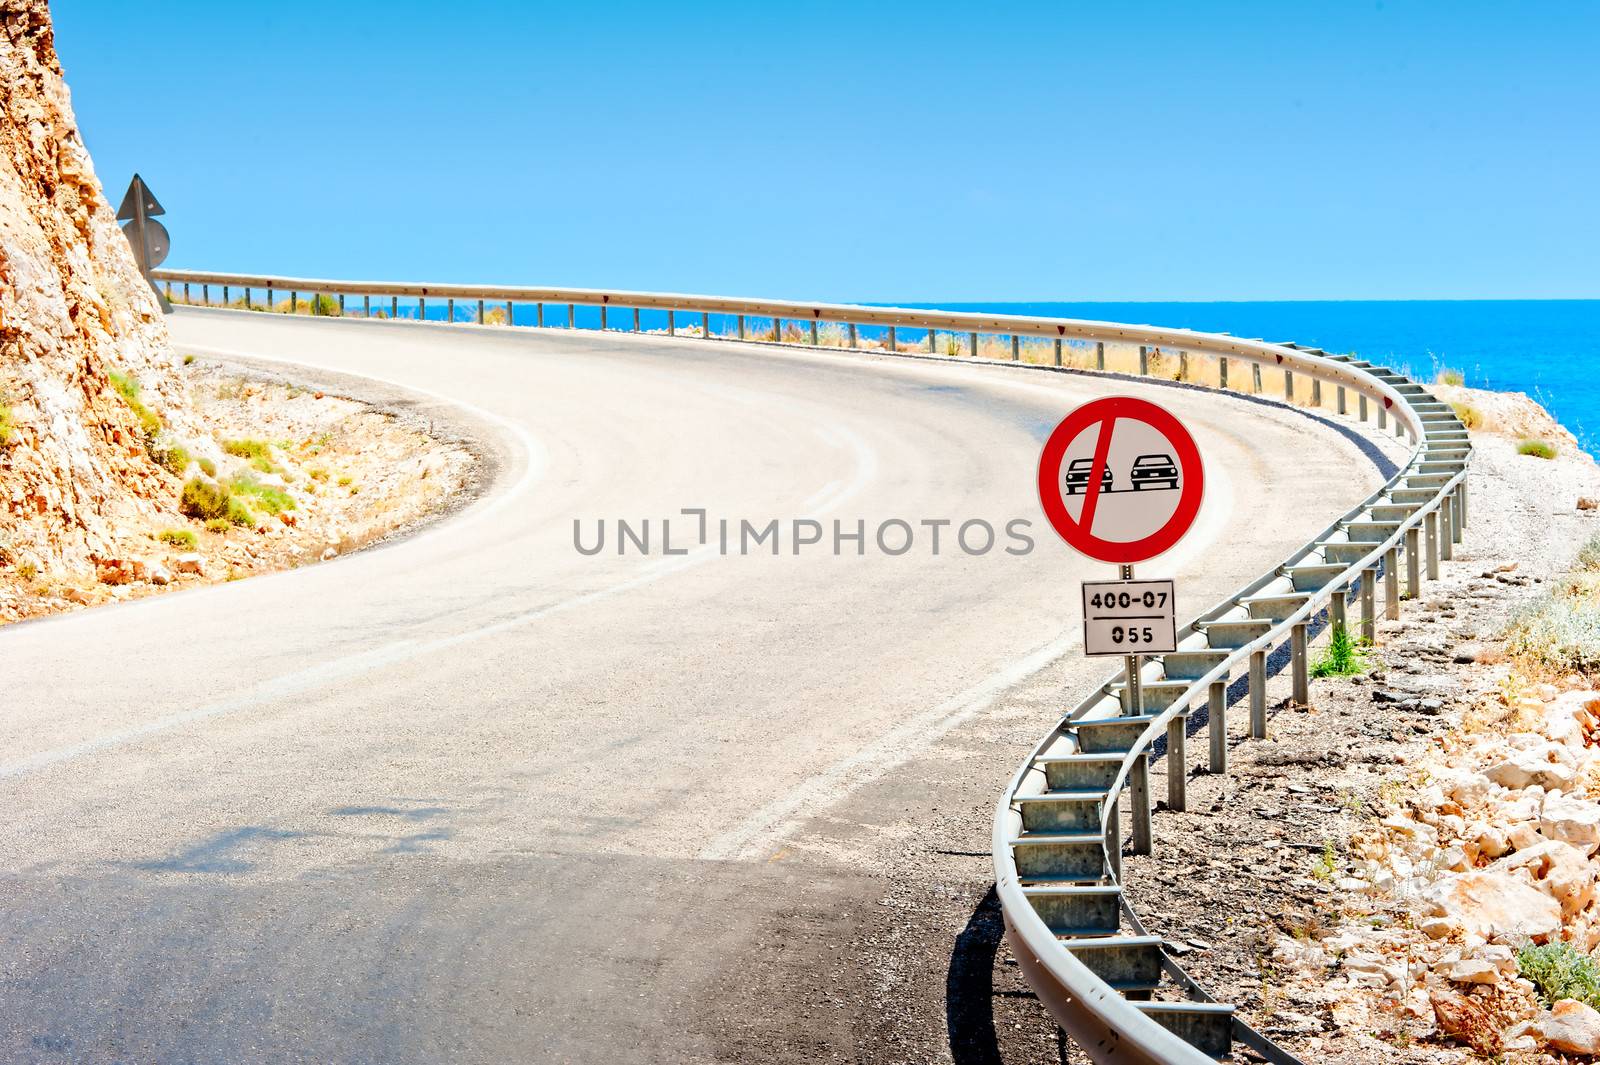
point(475, 796)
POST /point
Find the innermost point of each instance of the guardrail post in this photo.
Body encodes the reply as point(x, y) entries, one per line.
point(169, 290)
point(1217, 724)
point(1144, 360)
point(1255, 377)
point(1099, 354)
point(972, 343)
point(511, 318)
point(1298, 664)
point(1369, 605)
point(422, 308)
point(1058, 351)
point(366, 306)
point(269, 297)
point(1391, 584)
point(636, 319)
point(572, 313)
point(450, 310)
point(1183, 365)
point(1288, 386)
point(893, 344)
point(480, 312)
point(1413, 569)
point(1258, 695)
point(394, 306)
point(1336, 610)
point(1114, 838)
point(1461, 509)
point(1361, 406)
point(1447, 539)
point(205, 295)
point(1016, 348)
point(741, 327)
point(247, 304)
point(1383, 416)
point(1177, 765)
point(341, 304)
point(1340, 406)
point(851, 328)
point(294, 302)
point(1316, 392)
point(814, 338)
point(604, 309)
point(186, 292)
point(1139, 792)
point(1430, 523)
point(705, 324)
point(931, 338)
point(672, 329)
point(1222, 371)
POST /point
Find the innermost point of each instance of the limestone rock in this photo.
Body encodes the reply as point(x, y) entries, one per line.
point(1570, 1026)
point(1495, 905)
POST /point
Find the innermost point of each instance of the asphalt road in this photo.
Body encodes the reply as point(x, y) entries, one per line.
point(476, 796)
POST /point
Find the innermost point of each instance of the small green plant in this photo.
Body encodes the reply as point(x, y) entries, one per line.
point(1447, 376)
point(344, 482)
point(1468, 414)
point(1537, 448)
point(1328, 864)
point(268, 498)
point(204, 499)
point(7, 426)
point(207, 467)
point(174, 457)
point(239, 514)
point(1560, 970)
point(218, 525)
point(317, 473)
point(248, 449)
point(264, 465)
point(128, 388)
point(1344, 657)
point(27, 570)
point(188, 360)
point(177, 538)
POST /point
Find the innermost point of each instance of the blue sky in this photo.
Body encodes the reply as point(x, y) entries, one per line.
point(893, 151)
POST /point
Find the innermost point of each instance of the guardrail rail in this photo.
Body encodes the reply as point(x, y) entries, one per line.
point(1058, 826)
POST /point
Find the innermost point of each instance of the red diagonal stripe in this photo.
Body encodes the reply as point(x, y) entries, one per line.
point(1102, 448)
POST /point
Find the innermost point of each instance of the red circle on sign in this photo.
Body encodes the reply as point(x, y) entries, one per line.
point(1109, 411)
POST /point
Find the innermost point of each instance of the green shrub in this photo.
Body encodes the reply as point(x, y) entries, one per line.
point(248, 449)
point(175, 458)
point(239, 514)
point(1447, 376)
point(1468, 414)
point(188, 359)
point(218, 525)
point(177, 537)
point(7, 426)
point(325, 305)
point(1560, 970)
point(204, 499)
point(266, 497)
point(1537, 448)
point(263, 465)
point(1344, 657)
point(128, 388)
point(207, 467)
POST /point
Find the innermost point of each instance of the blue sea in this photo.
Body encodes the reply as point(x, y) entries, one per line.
point(1549, 349)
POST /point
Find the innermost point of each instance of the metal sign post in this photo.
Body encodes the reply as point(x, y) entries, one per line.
point(1120, 480)
point(147, 237)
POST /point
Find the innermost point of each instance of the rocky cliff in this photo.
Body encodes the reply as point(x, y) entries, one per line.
point(90, 395)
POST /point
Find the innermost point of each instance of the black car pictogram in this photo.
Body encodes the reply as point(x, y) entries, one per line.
point(1153, 471)
point(1077, 477)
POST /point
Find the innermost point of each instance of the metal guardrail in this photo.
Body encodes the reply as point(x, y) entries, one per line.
point(1058, 826)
